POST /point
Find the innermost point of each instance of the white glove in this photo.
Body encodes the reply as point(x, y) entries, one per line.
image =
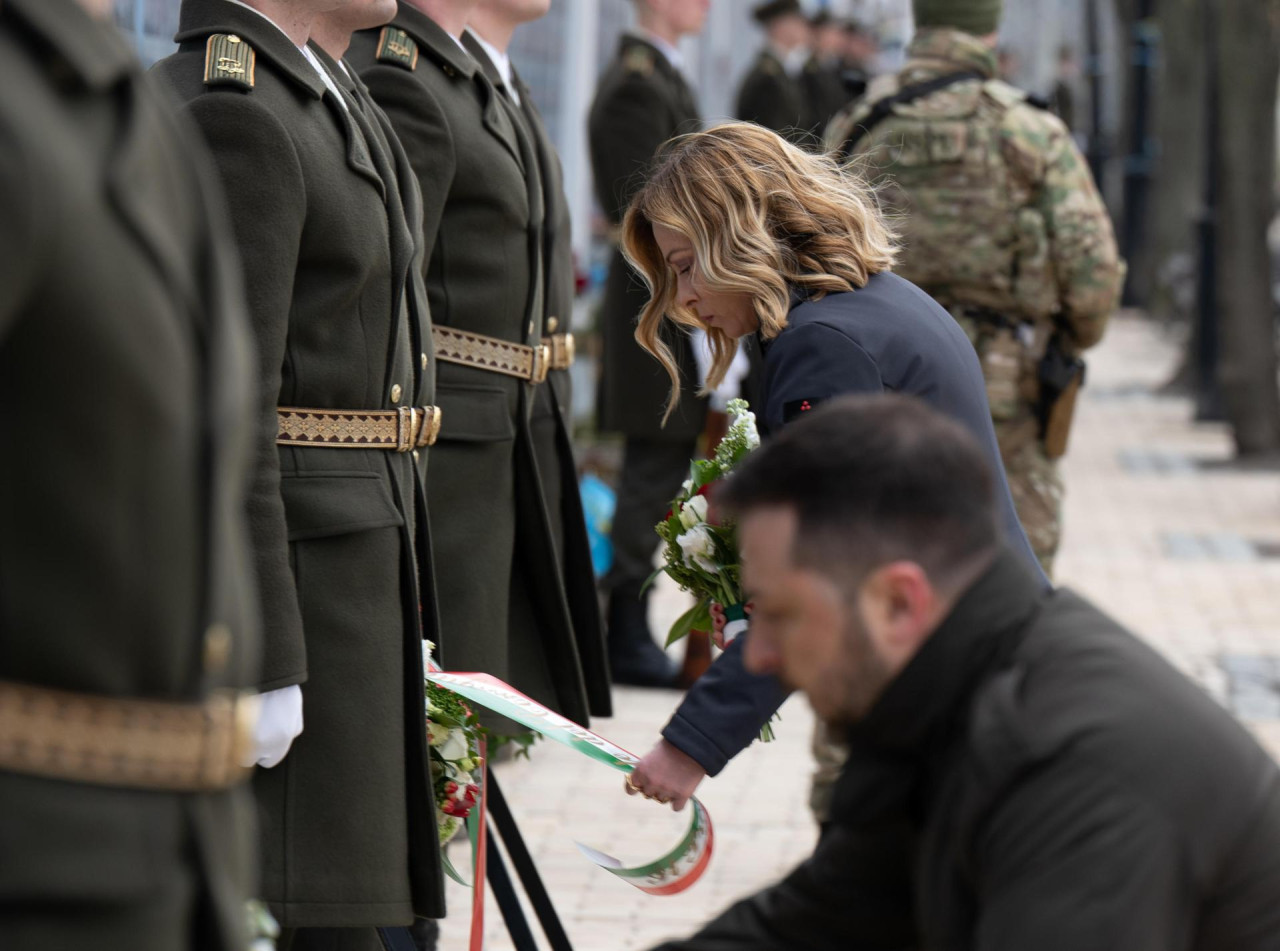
point(279, 723)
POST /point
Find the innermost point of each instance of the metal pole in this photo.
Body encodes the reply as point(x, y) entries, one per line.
point(1208, 393)
point(1093, 45)
point(1142, 147)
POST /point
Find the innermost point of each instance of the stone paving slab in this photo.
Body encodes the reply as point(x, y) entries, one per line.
point(1135, 480)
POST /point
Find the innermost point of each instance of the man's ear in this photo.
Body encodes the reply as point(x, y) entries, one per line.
point(899, 606)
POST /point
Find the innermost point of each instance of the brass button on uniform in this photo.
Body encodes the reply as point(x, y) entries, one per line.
point(395, 393)
point(424, 361)
point(552, 324)
point(233, 38)
point(217, 648)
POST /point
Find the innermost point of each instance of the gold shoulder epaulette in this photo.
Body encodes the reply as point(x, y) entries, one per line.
point(639, 59)
point(228, 61)
point(396, 46)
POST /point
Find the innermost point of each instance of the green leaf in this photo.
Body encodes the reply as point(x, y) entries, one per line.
point(683, 624)
point(651, 579)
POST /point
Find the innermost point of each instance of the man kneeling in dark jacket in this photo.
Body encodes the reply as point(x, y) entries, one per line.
point(1025, 774)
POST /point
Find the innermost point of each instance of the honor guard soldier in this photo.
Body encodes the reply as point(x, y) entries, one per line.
point(489, 32)
point(349, 838)
point(128, 619)
point(642, 101)
point(502, 591)
point(824, 88)
point(1003, 225)
point(773, 94)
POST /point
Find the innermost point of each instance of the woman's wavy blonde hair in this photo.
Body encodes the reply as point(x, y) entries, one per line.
point(764, 217)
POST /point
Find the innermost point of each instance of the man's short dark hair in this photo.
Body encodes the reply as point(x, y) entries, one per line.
point(875, 479)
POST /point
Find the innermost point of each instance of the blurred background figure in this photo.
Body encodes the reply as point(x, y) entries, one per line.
point(774, 93)
point(129, 625)
point(822, 79)
point(1063, 97)
point(643, 99)
point(857, 59)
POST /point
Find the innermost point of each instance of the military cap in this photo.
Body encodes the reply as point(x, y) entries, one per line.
point(767, 12)
point(978, 17)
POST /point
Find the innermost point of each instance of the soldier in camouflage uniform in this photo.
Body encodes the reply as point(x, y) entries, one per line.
point(1001, 222)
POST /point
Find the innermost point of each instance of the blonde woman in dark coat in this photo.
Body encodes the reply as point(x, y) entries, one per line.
point(740, 233)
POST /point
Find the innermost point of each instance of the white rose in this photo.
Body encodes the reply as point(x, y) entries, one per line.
point(437, 733)
point(698, 549)
point(694, 511)
point(686, 486)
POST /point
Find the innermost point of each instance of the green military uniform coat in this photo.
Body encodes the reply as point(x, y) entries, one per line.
point(773, 98)
point(348, 822)
point(550, 425)
point(502, 603)
point(125, 377)
point(641, 102)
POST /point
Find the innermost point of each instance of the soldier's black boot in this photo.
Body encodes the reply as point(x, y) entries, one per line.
point(634, 658)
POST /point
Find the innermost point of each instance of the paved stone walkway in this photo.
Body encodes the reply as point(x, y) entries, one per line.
point(1176, 550)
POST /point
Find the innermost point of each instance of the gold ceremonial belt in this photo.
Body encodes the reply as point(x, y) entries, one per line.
point(139, 744)
point(492, 354)
point(411, 427)
point(562, 350)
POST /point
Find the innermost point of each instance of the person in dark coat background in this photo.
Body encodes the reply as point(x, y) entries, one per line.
point(773, 93)
point(128, 614)
point(642, 101)
point(1023, 772)
point(822, 78)
point(832, 319)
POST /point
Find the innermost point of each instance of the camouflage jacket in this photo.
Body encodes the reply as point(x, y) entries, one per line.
point(994, 203)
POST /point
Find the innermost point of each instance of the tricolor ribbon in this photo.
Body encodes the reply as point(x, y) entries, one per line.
point(670, 874)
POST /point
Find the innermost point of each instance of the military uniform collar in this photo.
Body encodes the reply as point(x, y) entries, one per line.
point(940, 49)
point(343, 77)
point(201, 18)
point(94, 52)
point(434, 41)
